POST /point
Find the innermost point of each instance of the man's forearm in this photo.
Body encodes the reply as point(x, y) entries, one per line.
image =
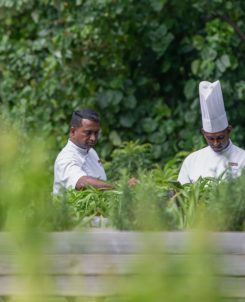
point(85, 181)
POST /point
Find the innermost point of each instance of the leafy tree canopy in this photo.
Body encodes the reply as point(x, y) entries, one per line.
point(138, 63)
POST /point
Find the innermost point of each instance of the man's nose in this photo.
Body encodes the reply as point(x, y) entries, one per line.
point(93, 137)
point(216, 142)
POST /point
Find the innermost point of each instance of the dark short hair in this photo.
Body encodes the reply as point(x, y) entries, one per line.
point(79, 115)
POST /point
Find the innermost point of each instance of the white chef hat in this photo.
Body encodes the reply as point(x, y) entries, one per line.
point(214, 117)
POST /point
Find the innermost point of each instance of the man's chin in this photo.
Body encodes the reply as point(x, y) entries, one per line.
point(90, 146)
point(217, 149)
point(86, 147)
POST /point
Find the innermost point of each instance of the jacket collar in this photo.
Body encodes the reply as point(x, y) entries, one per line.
point(74, 146)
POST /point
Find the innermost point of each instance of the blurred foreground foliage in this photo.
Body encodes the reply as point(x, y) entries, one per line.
point(27, 208)
point(137, 62)
point(26, 202)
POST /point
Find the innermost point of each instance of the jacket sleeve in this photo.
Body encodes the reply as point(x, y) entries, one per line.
point(66, 174)
point(184, 176)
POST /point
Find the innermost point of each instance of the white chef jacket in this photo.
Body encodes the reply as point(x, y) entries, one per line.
point(208, 163)
point(74, 162)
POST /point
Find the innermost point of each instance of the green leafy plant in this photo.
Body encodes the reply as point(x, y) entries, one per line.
point(143, 207)
point(131, 157)
point(226, 205)
point(190, 200)
point(90, 202)
point(169, 172)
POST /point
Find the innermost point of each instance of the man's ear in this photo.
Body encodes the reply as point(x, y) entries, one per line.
point(72, 131)
point(229, 129)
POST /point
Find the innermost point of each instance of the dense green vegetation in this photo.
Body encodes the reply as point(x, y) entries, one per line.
point(137, 62)
point(209, 203)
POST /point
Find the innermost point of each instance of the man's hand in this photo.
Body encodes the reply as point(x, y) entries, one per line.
point(133, 181)
point(85, 181)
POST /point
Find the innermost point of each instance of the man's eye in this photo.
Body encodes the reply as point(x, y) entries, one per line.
point(88, 133)
point(217, 138)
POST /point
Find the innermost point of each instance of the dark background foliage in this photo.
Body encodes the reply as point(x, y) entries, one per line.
point(138, 63)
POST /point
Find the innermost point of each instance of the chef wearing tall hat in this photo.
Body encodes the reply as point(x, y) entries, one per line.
point(220, 157)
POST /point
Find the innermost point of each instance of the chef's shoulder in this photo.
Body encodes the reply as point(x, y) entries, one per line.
point(197, 155)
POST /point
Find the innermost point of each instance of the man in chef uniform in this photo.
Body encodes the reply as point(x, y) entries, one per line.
point(78, 165)
point(220, 156)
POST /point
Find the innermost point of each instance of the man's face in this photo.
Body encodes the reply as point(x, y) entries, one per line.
point(86, 135)
point(218, 141)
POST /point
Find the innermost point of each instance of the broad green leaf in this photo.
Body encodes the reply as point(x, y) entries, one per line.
point(190, 89)
point(195, 66)
point(149, 125)
point(127, 120)
point(157, 5)
point(115, 138)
